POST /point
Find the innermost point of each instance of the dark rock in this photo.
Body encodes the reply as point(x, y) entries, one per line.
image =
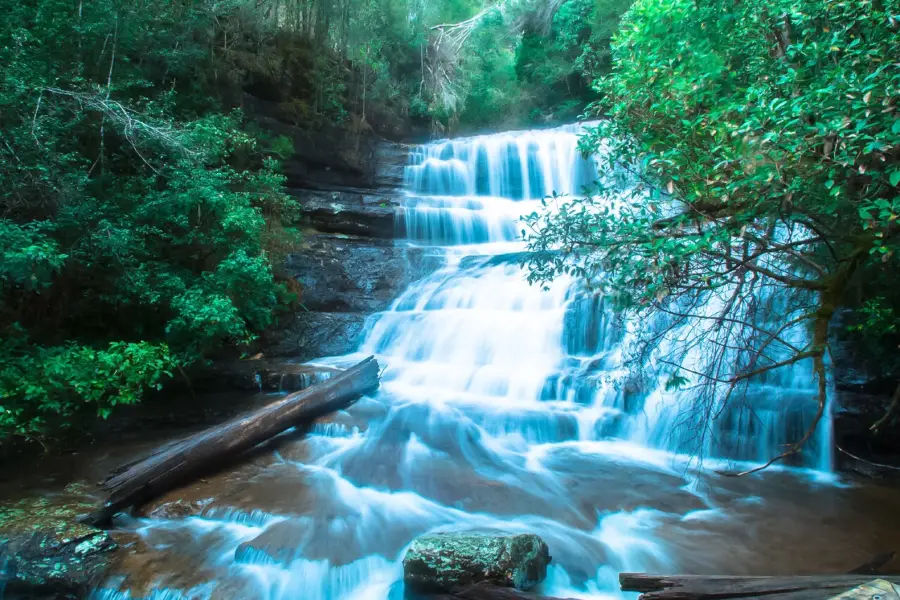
point(389, 166)
point(442, 562)
point(257, 374)
point(352, 274)
point(344, 279)
point(46, 554)
point(857, 369)
point(332, 158)
point(309, 335)
point(860, 449)
point(352, 213)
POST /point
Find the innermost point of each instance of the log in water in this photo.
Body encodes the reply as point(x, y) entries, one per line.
point(139, 481)
point(720, 587)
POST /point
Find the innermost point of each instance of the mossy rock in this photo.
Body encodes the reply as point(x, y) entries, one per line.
point(46, 553)
point(445, 561)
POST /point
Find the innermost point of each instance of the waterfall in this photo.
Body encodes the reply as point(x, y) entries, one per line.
point(476, 334)
point(504, 406)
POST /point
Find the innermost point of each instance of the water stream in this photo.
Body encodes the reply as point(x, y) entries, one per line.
point(505, 406)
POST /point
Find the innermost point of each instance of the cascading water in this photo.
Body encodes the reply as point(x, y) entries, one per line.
point(503, 406)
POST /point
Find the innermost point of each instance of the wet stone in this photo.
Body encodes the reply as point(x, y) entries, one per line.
point(179, 509)
point(45, 553)
point(443, 562)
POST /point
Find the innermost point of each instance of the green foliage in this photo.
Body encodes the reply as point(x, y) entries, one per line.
point(489, 84)
point(138, 219)
point(142, 211)
point(876, 318)
point(752, 151)
point(555, 68)
point(44, 386)
point(741, 119)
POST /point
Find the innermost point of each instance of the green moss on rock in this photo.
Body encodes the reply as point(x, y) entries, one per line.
point(441, 562)
point(45, 552)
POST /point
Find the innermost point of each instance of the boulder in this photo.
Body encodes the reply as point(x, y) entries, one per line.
point(45, 554)
point(443, 562)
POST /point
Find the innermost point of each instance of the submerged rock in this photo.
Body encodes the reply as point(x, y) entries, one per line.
point(179, 509)
point(46, 554)
point(442, 562)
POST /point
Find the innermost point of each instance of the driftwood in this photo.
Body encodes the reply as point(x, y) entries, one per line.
point(706, 587)
point(137, 482)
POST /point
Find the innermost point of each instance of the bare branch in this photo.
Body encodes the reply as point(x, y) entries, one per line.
point(895, 403)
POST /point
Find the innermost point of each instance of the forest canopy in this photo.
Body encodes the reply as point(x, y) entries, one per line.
point(753, 149)
point(143, 217)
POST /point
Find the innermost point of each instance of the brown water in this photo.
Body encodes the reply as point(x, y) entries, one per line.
point(509, 407)
point(290, 522)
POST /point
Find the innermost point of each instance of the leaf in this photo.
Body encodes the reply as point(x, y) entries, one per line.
point(675, 382)
point(894, 178)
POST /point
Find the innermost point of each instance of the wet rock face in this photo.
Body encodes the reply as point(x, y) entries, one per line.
point(443, 562)
point(46, 554)
point(309, 335)
point(344, 279)
point(353, 213)
point(340, 273)
point(331, 157)
point(258, 374)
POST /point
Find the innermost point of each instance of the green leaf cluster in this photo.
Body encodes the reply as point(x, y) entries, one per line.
point(750, 155)
point(139, 217)
point(737, 124)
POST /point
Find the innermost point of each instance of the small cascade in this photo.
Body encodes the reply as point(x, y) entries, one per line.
point(503, 406)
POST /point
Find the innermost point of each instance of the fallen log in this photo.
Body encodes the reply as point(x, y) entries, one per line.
point(139, 481)
point(718, 587)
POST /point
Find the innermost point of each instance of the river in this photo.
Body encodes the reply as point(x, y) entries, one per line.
point(505, 406)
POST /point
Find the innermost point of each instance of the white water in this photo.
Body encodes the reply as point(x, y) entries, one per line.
point(503, 407)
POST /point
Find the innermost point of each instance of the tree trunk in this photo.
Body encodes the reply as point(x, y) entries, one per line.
point(136, 482)
point(707, 587)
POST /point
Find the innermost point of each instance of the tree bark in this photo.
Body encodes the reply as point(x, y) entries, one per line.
point(708, 587)
point(136, 482)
